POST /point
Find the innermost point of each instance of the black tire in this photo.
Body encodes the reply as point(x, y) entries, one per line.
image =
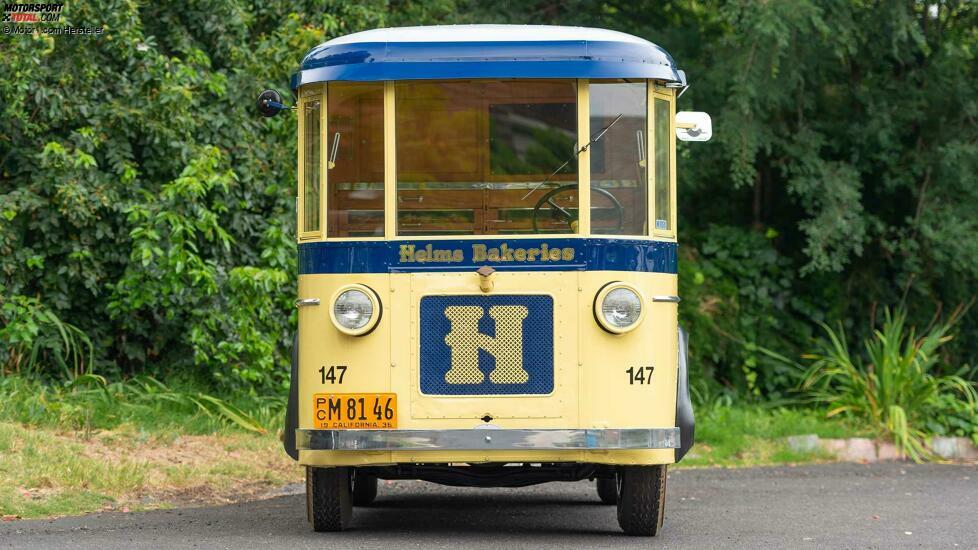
point(364, 489)
point(292, 407)
point(641, 499)
point(328, 498)
point(608, 490)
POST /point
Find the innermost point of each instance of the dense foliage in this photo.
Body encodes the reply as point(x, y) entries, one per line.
point(141, 198)
point(144, 202)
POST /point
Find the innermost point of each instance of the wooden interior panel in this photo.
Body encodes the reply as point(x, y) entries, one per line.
point(429, 199)
point(368, 199)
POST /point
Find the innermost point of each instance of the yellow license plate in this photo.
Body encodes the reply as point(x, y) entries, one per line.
point(354, 411)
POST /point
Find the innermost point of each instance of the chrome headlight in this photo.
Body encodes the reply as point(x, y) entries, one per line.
point(356, 310)
point(618, 307)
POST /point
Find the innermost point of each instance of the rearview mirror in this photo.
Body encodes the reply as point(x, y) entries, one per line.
point(270, 103)
point(694, 126)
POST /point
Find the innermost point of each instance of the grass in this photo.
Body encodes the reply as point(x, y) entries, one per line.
point(743, 435)
point(46, 472)
point(76, 448)
point(89, 402)
point(88, 445)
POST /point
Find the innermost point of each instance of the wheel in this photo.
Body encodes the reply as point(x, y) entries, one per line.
point(608, 490)
point(364, 489)
point(641, 499)
point(328, 498)
point(558, 212)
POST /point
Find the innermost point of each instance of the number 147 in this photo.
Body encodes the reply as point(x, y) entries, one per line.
point(639, 375)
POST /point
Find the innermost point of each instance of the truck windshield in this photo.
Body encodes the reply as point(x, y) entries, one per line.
point(486, 157)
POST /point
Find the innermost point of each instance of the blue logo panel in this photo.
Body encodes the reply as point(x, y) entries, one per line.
point(487, 345)
point(446, 255)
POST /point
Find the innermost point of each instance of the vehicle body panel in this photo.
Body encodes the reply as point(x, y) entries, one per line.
point(591, 387)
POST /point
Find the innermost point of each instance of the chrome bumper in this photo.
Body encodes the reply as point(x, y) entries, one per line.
point(480, 439)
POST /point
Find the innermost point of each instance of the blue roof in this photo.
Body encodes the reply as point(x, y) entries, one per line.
point(486, 51)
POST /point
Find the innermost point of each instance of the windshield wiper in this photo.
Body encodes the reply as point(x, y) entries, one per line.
point(594, 139)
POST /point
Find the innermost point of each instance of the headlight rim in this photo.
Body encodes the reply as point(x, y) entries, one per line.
point(599, 301)
point(374, 301)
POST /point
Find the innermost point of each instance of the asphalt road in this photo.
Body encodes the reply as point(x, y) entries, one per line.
point(827, 506)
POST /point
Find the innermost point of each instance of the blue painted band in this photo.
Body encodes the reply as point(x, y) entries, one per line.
point(375, 61)
point(544, 254)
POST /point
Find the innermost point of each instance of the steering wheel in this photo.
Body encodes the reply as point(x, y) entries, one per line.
point(558, 212)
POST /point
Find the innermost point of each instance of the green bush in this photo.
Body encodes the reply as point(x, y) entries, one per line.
point(144, 203)
point(740, 300)
point(892, 386)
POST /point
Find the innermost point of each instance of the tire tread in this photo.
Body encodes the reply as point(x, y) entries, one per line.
point(330, 502)
point(641, 504)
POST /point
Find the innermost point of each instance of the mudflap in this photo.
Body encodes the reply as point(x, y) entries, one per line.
point(292, 408)
point(684, 405)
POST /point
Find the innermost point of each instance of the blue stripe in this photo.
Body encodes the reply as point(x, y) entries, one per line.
point(414, 256)
point(373, 61)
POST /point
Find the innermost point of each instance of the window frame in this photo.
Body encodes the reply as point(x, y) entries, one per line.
point(649, 178)
point(654, 91)
point(308, 94)
point(388, 90)
point(657, 91)
point(583, 158)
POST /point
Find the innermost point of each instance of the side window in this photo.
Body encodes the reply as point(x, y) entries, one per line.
point(311, 151)
point(662, 139)
point(355, 159)
point(619, 181)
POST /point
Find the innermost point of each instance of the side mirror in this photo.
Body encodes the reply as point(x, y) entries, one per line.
point(270, 103)
point(693, 126)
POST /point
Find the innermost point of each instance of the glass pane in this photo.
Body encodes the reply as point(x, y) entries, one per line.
point(531, 138)
point(619, 180)
point(310, 166)
point(486, 157)
point(663, 143)
point(355, 159)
